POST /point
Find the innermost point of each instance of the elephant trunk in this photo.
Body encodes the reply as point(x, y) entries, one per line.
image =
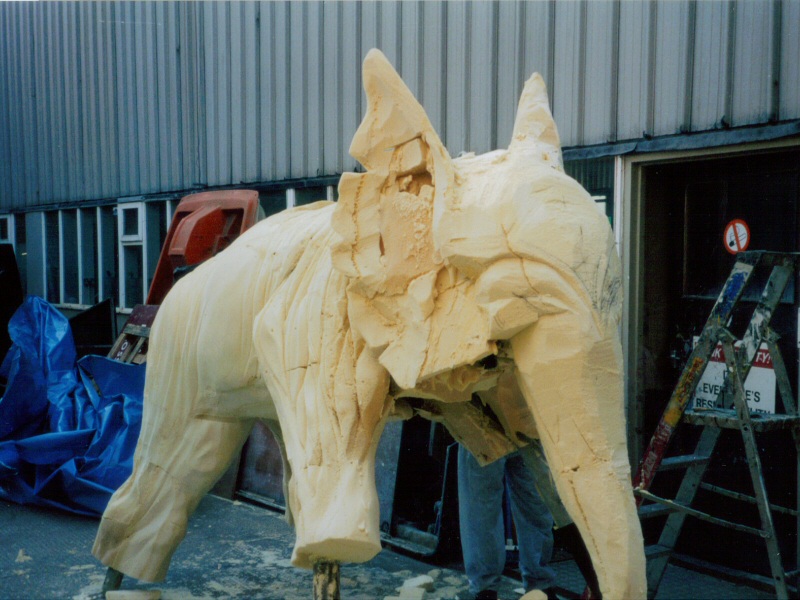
point(569, 369)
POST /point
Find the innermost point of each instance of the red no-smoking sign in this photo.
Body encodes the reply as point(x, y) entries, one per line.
point(737, 236)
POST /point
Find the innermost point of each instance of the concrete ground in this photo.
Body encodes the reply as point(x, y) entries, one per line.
point(236, 550)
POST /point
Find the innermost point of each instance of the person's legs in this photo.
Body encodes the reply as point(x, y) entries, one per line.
point(534, 525)
point(480, 500)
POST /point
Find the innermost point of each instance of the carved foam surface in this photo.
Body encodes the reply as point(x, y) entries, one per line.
point(332, 317)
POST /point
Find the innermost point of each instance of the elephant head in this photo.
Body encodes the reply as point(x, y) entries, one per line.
point(451, 261)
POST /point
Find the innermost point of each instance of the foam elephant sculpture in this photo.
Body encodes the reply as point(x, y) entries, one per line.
point(431, 279)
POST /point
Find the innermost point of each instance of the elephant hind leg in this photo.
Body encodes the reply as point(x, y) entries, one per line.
point(147, 517)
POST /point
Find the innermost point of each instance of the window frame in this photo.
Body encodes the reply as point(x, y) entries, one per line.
point(10, 225)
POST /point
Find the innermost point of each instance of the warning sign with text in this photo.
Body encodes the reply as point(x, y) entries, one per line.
point(759, 388)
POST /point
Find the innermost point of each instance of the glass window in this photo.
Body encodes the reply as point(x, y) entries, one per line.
point(163, 216)
point(272, 202)
point(134, 275)
point(130, 222)
point(89, 283)
point(141, 227)
point(596, 175)
point(52, 262)
point(309, 195)
point(21, 247)
point(69, 257)
point(5, 229)
point(107, 253)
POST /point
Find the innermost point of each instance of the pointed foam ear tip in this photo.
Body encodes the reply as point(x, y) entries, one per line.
point(375, 59)
point(393, 116)
point(536, 88)
point(534, 122)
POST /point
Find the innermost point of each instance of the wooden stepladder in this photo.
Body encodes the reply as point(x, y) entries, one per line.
point(735, 414)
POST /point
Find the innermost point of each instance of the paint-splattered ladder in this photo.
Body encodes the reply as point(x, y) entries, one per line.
point(131, 345)
point(738, 362)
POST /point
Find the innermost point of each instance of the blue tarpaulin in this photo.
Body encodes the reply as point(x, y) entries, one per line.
point(67, 430)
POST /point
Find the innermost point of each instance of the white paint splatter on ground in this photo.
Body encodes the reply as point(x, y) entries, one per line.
point(22, 557)
point(270, 558)
point(183, 594)
point(91, 590)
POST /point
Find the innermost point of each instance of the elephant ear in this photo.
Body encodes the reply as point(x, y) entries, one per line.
point(384, 218)
point(534, 127)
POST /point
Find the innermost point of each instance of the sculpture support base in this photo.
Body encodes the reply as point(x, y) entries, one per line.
point(113, 580)
point(326, 580)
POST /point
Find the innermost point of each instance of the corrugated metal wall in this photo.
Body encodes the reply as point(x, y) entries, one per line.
point(109, 99)
point(98, 100)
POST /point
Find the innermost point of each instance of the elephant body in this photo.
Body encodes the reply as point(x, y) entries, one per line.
point(432, 282)
point(268, 319)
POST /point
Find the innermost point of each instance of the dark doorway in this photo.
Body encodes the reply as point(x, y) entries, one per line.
point(686, 209)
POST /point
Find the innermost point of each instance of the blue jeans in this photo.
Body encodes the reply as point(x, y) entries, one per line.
point(480, 500)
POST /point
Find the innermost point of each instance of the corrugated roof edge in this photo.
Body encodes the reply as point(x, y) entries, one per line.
point(688, 141)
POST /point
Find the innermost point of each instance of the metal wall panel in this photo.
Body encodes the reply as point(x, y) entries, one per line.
point(245, 153)
point(90, 135)
point(267, 95)
point(332, 103)
point(14, 94)
point(539, 39)
point(454, 132)
point(112, 99)
point(510, 68)
point(353, 107)
point(599, 90)
point(710, 81)
point(412, 47)
point(50, 158)
point(634, 70)
point(789, 48)
point(567, 92)
point(169, 93)
point(388, 32)
point(433, 86)
point(107, 120)
point(217, 82)
point(298, 94)
point(315, 91)
point(481, 86)
point(281, 33)
point(537, 34)
point(27, 97)
point(126, 87)
point(752, 70)
point(673, 49)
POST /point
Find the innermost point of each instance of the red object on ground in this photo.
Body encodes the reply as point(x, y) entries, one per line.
point(203, 225)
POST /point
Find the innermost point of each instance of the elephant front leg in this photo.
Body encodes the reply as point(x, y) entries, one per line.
point(331, 415)
point(570, 374)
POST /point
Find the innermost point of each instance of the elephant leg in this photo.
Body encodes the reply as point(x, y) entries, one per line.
point(174, 468)
point(570, 373)
point(331, 415)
